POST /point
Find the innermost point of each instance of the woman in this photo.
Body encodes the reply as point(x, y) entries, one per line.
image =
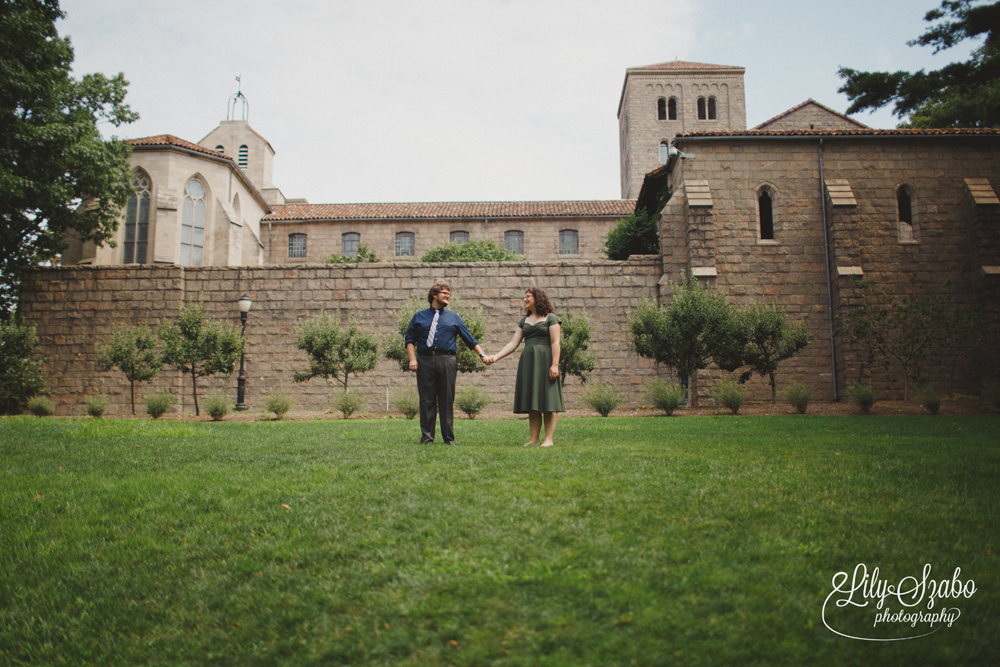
point(538, 391)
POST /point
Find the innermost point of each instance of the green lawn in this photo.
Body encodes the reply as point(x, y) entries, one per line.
point(680, 541)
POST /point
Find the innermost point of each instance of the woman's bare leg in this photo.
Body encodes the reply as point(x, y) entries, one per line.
point(535, 424)
point(550, 428)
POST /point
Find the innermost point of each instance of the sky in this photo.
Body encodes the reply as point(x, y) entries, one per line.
point(466, 100)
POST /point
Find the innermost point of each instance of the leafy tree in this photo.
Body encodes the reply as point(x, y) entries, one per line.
point(53, 154)
point(768, 339)
point(481, 250)
point(468, 360)
point(960, 335)
point(962, 94)
point(365, 256)
point(689, 333)
point(20, 372)
point(638, 234)
point(335, 351)
point(574, 339)
point(133, 351)
point(200, 347)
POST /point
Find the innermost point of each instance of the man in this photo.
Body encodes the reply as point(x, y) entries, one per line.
point(432, 346)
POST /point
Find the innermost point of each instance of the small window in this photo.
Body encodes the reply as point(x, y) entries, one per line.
point(514, 241)
point(349, 244)
point(569, 242)
point(672, 109)
point(137, 221)
point(661, 109)
point(220, 149)
point(244, 152)
point(904, 207)
point(664, 152)
point(193, 224)
point(766, 210)
point(459, 237)
point(404, 244)
point(296, 245)
point(711, 108)
point(701, 109)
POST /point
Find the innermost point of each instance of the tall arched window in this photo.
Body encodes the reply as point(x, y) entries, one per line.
point(459, 237)
point(664, 152)
point(661, 109)
point(244, 153)
point(569, 242)
point(904, 208)
point(349, 244)
point(404, 244)
point(711, 108)
point(297, 245)
point(672, 109)
point(193, 224)
point(513, 241)
point(765, 210)
point(137, 221)
point(701, 108)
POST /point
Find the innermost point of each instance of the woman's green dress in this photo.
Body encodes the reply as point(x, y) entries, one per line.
point(533, 389)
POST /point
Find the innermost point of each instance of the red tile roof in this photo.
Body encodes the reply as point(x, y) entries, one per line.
point(860, 132)
point(682, 65)
point(805, 104)
point(435, 210)
point(171, 140)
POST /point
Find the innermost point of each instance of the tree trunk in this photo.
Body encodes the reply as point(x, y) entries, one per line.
point(132, 387)
point(194, 390)
point(774, 389)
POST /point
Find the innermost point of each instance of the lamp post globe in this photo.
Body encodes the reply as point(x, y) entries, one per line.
point(241, 380)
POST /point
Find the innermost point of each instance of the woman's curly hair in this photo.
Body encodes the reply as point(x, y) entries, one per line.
point(543, 306)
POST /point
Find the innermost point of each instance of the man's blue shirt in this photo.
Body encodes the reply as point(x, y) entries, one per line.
point(449, 326)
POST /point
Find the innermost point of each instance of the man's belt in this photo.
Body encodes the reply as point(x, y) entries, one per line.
point(436, 353)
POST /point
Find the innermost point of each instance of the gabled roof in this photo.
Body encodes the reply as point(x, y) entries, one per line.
point(171, 140)
point(614, 208)
point(255, 133)
point(808, 102)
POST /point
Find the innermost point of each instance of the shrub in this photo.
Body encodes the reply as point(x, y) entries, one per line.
point(472, 400)
point(20, 370)
point(729, 394)
point(863, 396)
point(481, 250)
point(158, 404)
point(407, 401)
point(666, 396)
point(603, 398)
point(217, 406)
point(798, 395)
point(96, 405)
point(365, 256)
point(930, 397)
point(638, 234)
point(41, 406)
point(348, 403)
point(277, 402)
point(991, 392)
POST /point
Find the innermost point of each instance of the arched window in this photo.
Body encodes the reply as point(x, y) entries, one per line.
point(765, 210)
point(664, 152)
point(193, 224)
point(220, 148)
point(349, 244)
point(244, 152)
point(459, 237)
point(513, 241)
point(661, 109)
point(569, 242)
point(701, 108)
point(297, 245)
point(711, 108)
point(404, 244)
point(904, 208)
point(137, 220)
point(672, 109)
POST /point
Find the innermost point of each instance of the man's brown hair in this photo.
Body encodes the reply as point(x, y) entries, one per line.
point(435, 290)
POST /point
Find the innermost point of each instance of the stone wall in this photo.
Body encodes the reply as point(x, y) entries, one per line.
point(75, 308)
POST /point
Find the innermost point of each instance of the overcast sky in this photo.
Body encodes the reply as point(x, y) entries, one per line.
point(466, 100)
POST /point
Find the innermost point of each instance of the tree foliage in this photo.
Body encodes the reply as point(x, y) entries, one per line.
point(53, 155)
point(962, 94)
point(767, 339)
point(480, 250)
point(133, 351)
point(198, 346)
point(638, 234)
point(20, 372)
point(335, 351)
point(365, 256)
point(574, 339)
point(468, 360)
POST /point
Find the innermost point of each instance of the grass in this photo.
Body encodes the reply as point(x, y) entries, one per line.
point(635, 541)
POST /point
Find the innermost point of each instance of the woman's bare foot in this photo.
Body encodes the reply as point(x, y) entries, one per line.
point(548, 443)
point(530, 443)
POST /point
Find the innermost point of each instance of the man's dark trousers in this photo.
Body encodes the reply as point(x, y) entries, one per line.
point(436, 376)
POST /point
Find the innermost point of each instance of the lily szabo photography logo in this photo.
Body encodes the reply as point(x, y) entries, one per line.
point(866, 607)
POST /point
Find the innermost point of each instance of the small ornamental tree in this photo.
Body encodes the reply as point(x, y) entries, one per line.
point(133, 351)
point(468, 360)
point(480, 250)
point(200, 347)
point(334, 351)
point(638, 234)
point(20, 373)
point(574, 339)
point(769, 339)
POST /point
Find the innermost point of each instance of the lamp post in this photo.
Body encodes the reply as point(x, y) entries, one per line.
point(241, 379)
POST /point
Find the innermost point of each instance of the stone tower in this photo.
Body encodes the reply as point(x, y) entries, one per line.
point(659, 102)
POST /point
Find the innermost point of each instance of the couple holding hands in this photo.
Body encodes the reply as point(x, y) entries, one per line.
point(432, 342)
